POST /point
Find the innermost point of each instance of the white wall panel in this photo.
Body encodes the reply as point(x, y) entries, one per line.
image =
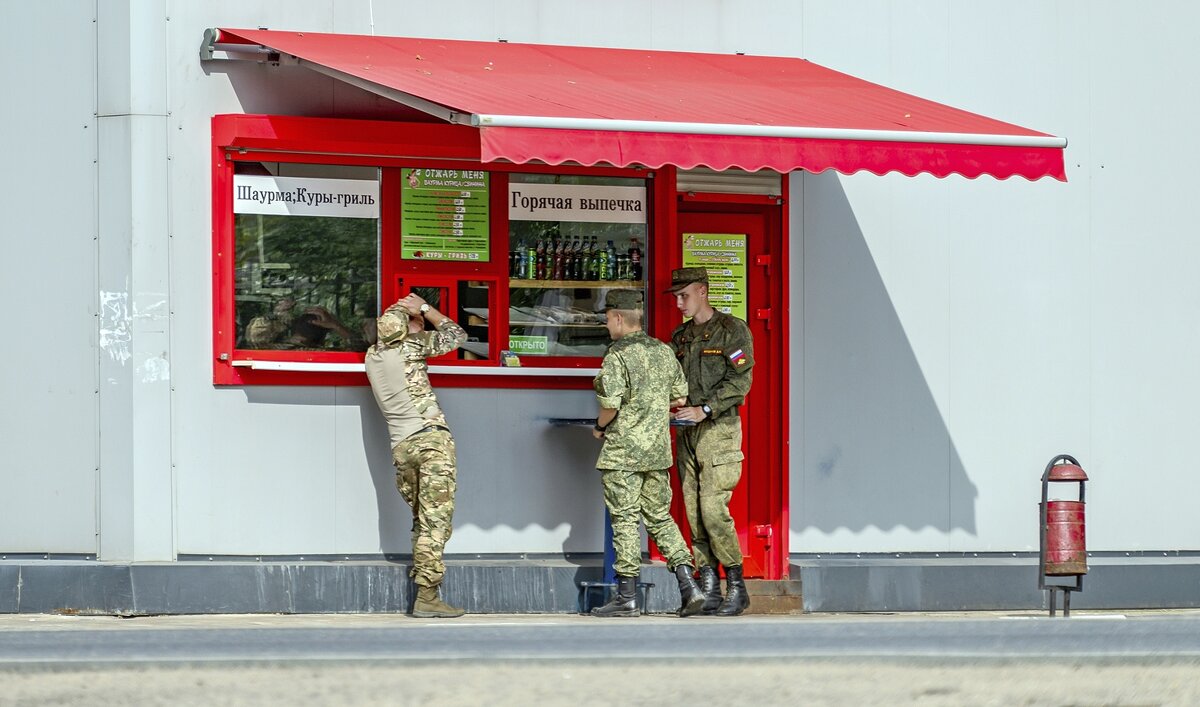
point(257, 473)
point(1142, 215)
point(48, 420)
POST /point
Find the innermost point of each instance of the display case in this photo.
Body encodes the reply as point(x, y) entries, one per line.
point(560, 271)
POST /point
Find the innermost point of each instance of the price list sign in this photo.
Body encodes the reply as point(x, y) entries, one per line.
point(724, 256)
point(444, 215)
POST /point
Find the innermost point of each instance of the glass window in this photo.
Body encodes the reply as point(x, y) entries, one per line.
point(571, 240)
point(306, 256)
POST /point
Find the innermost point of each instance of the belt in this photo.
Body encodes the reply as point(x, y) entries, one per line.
point(429, 428)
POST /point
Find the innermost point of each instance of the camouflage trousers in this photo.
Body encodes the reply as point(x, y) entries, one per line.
point(425, 475)
point(709, 458)
point(633, 496)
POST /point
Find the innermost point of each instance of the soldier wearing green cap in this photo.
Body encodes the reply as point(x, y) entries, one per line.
point(717, 353)
point(639, 380)
point(422, 446)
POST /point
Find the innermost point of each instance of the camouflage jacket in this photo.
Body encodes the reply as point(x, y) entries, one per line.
point(266, 332)
point(716, 357)
point(638, 378)
point(399, 378)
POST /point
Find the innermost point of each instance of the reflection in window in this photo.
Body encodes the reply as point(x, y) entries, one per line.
point(305, 282)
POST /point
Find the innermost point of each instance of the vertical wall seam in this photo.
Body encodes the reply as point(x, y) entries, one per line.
point(172, 466)
point(97, 471)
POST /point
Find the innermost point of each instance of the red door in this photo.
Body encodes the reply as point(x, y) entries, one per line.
point(759, 505)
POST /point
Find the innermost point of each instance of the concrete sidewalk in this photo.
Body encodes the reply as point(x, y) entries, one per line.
point(960, 658)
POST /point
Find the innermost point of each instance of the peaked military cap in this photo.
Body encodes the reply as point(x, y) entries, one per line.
point(682, 277)
point(629, 300)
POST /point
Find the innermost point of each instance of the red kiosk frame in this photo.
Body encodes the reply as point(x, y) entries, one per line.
point(762, 513)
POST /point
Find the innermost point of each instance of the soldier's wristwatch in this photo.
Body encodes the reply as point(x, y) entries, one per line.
point(707, 410)
point(425, 307)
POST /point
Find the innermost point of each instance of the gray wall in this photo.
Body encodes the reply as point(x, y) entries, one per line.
point(949, 336)
point(49, 421)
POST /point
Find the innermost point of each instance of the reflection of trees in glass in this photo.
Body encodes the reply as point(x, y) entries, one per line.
point(317, 262)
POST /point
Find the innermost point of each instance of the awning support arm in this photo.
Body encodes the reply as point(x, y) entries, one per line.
point(257, 52)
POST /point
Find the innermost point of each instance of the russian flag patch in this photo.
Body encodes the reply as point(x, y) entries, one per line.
point(736, 355)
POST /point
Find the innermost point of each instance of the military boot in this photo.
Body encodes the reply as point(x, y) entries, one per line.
point(736, 599)
point(710, 585)
point(693, 598)
point(430, 606)
point(624, 602)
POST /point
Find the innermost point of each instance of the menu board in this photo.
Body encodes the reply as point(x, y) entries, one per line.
point(724, 256)
point(444, 215)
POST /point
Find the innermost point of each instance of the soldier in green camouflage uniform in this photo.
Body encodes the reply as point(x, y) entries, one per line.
point(422, 447)
point(637, 383)
point(717, 353)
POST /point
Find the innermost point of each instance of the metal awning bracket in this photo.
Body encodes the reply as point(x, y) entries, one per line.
point(233, 51)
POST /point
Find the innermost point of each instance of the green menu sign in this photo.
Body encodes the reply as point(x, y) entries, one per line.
point(444, 215)
point(724, 255)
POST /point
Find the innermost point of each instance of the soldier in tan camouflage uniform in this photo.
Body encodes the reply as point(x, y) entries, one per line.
point(637, 383)
point(717, 353)
point(422, 447)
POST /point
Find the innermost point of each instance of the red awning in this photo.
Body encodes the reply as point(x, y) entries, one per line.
point(556, 104)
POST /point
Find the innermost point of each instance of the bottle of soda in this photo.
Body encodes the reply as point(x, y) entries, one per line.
point(635, 260)
point(585, 261)
point(530, 261)
point(512, 263)
point(610, 254)
point(568, 260)
point(558, 260)
point(594, 274)
point(539, 261)
point(576, 260)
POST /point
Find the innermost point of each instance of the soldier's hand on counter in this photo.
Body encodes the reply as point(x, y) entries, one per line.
point(693, 413)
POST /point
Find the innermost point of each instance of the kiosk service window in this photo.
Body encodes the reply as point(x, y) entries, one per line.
point(523, 258)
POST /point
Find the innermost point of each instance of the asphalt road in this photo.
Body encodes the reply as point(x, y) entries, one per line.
point(1090, 659)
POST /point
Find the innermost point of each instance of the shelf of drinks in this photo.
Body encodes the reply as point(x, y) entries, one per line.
point(555, 325)
point(555, 284)
point(519, 318)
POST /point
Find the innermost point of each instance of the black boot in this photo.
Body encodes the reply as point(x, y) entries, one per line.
point(624, 602)
point(693, 598)
point(736, 599)
point(710, 585)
